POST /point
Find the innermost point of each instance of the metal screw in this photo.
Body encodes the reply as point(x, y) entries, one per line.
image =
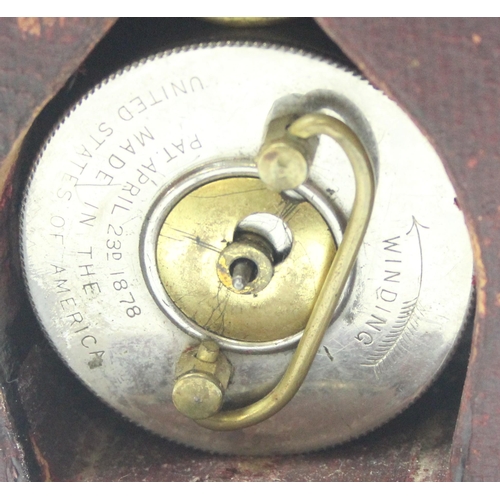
point(242, 273)
point(202, 378)
point(283, 160)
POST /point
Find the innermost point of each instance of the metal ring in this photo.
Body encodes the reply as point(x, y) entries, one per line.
point(167, 200)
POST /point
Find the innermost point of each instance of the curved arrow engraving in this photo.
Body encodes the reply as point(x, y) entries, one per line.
point(415, 225)
point(399, 335)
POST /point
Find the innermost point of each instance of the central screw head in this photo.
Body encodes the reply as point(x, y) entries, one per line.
point(246, 266)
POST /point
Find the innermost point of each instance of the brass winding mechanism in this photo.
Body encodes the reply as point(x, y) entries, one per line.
point(283, 165)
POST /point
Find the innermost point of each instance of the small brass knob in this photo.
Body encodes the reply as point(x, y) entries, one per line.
point(202, 376)
point(282, 165)
point(284, 159)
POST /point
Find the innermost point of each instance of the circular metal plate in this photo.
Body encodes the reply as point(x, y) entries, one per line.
point(91, 193)
point(194, 237)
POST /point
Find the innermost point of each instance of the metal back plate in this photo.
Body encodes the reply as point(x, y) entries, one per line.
point(91, 193)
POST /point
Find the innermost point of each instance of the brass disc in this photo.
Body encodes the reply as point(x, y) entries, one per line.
point(203, 224)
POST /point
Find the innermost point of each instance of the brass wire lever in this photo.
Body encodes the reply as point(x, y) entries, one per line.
point(305, 127)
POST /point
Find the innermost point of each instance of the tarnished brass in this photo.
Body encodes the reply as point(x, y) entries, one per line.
point(196, 248)
point(202, 376)
point(329, 296)
point(284, 159)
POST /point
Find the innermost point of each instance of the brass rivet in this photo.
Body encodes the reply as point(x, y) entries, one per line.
point(282, 165)
point(197, 395)
point(202, 377)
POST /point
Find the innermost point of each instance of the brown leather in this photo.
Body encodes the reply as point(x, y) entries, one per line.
point(37, 56)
